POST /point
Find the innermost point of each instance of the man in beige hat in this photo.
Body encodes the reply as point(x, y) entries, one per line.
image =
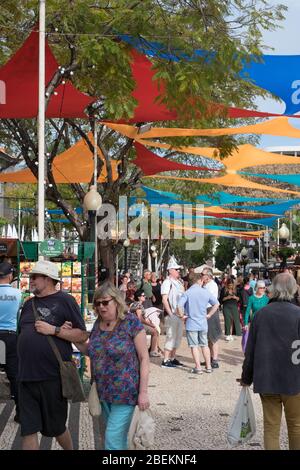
point(42, 407)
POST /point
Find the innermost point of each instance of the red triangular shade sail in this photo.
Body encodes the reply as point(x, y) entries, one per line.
point(147, 91)
point(19, 86)
point(150, 163)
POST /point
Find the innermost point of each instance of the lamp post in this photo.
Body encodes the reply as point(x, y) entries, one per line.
point(126, 244)
point(92, 202)
point(244, 255)
point(284, 234)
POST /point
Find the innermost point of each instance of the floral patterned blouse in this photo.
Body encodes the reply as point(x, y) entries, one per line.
point(115, 363)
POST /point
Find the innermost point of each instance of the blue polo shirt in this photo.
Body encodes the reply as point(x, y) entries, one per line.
point(194, 301)
point(10, 301)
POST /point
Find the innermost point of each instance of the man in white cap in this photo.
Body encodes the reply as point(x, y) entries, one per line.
point(42, 406)
point(171, 291)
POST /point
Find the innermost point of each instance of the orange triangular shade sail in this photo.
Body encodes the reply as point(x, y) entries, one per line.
point(75, 165)
point(216, 233)
point(276, 127)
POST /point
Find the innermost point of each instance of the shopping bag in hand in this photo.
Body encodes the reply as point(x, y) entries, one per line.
point(242, 426)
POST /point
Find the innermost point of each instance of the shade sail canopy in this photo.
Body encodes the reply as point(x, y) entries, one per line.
point(75, 165)
point(276, 73)
point(289, 178)
point(277, 127)
point(151, 164)
point(19, 86)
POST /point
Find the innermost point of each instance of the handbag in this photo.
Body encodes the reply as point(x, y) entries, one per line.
point(72, 387)
point(94, 402)
point(5, 393)
point(242, 426)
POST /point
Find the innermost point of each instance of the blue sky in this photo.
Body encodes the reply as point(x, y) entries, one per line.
point(285, 41)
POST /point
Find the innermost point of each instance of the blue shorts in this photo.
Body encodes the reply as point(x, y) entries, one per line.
point(197, 338)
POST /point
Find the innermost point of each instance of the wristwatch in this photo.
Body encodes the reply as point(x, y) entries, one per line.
point(57, 330)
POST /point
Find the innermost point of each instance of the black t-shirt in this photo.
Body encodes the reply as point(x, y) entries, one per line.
point(36, 357)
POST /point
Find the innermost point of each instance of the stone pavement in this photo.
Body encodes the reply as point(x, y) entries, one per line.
point(191, 412)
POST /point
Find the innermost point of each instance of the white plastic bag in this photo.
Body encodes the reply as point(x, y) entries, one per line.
point(242, 426)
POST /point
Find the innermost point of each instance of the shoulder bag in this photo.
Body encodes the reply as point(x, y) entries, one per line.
point(72, 388)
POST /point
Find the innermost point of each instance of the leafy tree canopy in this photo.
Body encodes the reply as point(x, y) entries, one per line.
point(84, 36)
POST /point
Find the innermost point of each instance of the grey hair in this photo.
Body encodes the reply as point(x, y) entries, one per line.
point(108, 289)
point(284, 287)
point(208, 272)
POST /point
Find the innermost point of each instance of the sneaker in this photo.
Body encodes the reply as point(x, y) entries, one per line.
point(196, 371)
point(176, 363)
point(168, 364)
point(208, 371)
point(214, 364)
point(228, 338)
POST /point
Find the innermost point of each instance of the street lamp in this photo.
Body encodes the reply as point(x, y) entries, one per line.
point(92, 202)
point(244, 255)
point(126, 244)
point(284, 233)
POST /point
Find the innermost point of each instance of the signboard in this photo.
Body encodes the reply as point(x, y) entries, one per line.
point(3, 249)
point(51, 247)
point(8, 247)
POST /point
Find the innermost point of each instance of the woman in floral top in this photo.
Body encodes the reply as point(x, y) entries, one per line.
point(119, 362)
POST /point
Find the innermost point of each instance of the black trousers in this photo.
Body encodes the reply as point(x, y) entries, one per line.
point(11, 366)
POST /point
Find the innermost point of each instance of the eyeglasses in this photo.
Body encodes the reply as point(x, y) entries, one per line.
point(142, 295)
point(98, 303)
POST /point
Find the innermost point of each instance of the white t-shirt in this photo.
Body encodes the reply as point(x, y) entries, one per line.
point(174, 289)
point(212, 286)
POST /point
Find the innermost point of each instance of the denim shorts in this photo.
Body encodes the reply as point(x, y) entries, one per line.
point(197, 338)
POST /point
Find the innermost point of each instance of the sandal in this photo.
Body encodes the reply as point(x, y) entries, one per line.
point(196, 371)
point(154, 354)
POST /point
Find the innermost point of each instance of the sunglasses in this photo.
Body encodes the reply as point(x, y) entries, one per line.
point(98, 303)
point(142, 295)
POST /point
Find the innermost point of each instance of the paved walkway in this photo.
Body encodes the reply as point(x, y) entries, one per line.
point(191, 412)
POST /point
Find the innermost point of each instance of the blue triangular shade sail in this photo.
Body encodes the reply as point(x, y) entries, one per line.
point(275, 73)
point(223, 198)
point(290, 179)
point(278, 209)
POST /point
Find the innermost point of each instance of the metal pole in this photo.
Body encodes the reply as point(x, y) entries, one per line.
point(19, 219)
point(41, 124)
point(95, 221)
point(278, 224)
point(259, 257)
point(291, 228)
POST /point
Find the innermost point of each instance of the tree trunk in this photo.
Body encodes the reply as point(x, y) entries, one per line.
point(107, 251)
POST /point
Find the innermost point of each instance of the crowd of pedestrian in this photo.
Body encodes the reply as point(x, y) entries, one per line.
point(131, 318)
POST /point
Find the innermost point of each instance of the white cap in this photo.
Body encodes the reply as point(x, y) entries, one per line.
point(46, 268)
point(260, 284)
point(200, 269)
point(172, 264)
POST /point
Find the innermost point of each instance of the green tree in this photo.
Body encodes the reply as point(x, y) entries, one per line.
point(225, 253)
point(84, 38)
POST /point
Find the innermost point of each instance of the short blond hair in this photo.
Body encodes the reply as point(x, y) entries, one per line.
point(108, 289)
